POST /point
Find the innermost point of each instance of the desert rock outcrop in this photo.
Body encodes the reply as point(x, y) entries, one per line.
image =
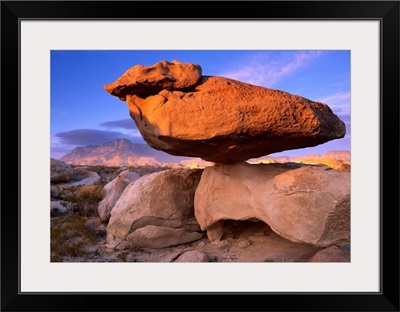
point(156, 211)
point(226, 121)
point(309, 204)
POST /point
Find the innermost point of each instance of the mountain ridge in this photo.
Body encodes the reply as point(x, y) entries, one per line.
point(123, 152)
point(120, 152)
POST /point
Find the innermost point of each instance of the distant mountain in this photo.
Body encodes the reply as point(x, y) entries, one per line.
point(123, 152)
point(338, 155)
point(120, 152)
point(339, 160)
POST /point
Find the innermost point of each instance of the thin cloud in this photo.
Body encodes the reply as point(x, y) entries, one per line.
point(122, 123)
point(263, 71)
point(340, 104)
point(83, 137)
point(336, 98)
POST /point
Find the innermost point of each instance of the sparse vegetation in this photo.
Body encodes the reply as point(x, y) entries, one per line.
point(71, 235)
point(87, 200)
point(83, 198)
point(122, 256)
point(69, 193)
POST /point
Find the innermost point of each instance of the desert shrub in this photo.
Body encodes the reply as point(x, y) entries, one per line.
point(87, 200)
point(122, 256)
point(70, 237)
point(83, 198)
point(69, 193)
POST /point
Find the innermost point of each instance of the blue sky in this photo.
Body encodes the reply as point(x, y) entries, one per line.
point(83, 113)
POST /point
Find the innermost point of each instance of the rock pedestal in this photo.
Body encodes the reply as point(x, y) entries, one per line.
point(309, 204)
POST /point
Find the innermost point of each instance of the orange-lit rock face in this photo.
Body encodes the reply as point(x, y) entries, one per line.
point(226, 121)
point(149, 80)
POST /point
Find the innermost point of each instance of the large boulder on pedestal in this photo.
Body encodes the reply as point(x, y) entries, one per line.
point(310, 204)
point(156, 211)
point(224, 120)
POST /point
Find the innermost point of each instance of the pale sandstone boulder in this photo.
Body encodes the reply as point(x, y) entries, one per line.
point(331, 254)
point(193, 256)
point(309, 204)
point(113, 191)
point(81, 177)
point(156, 211)
point(60, 171)
point(228, 121)
point(149, 80)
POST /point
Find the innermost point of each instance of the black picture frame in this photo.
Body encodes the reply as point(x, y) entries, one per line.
point(12, 12)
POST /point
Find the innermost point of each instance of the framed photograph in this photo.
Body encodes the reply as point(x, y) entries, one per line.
point(345, 54)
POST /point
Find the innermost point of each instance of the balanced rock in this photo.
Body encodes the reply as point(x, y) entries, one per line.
point(149, 80)
point(112, 192)
point(306, 205)
point(156, 211)
point(224, 120)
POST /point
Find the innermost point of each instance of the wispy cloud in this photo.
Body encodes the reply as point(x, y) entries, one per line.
point(265, 71)
point(122, 123)
point(340, 104)
point(336, 98)
point(83, 137)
